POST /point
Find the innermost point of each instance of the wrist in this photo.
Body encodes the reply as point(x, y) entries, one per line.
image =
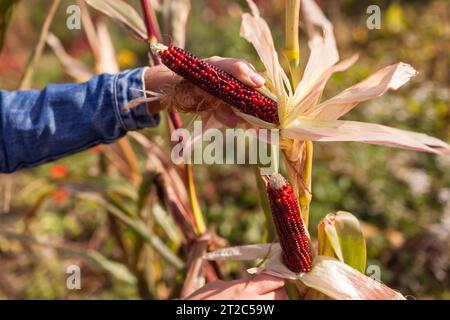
point(155, 79)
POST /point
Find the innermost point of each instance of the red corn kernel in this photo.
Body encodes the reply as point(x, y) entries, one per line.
point(220, 84)
point(289, 224)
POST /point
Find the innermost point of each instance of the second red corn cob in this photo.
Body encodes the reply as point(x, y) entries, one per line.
point(289, 224)
point(218, 83)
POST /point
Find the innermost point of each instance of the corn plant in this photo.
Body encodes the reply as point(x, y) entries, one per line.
point(148, 30)
point(152, 208)
point(128, 208)
point(218, 83)
point(301, 118)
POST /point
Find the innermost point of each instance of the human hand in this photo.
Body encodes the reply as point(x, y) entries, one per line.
point(159, 76)
point(260, 287)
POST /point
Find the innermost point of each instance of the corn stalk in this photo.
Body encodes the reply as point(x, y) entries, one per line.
point(292, 53)
point(155, 36)
point(196, 267)
point(292, 50)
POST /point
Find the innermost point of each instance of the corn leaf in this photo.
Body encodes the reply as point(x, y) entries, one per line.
point(106, 62)
point(145, 189)
point(167, 223)
point(340, 235)
point(123, 13)
point(269, 232)
point(389, 78)
point(255, 30)
point(175, 16)
point(322, 45)
point(73, 67)
point(328, 275)
point(115, 269)
point(175, 196)
point(138, 227)
point(339, 281)
point(340, 130)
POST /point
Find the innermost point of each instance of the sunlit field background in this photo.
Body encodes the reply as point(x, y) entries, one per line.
point(49, 218)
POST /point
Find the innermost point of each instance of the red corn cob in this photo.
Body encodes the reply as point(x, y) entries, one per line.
point(218, 83)
point(289, 224)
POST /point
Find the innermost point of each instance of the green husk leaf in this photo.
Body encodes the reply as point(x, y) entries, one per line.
point(340, 235)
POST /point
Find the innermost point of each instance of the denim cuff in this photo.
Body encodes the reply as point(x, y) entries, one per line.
point(127, 86)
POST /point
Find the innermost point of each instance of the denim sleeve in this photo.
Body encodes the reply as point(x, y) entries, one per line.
point(41, 126)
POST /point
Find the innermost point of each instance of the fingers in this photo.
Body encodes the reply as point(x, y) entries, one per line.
point(227, 116)
point(264, 283)
point(213, 290)
point(260, 287)
point(279, 294)
point(240, 69)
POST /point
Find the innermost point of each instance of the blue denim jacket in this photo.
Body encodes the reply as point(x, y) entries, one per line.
point(40, 126)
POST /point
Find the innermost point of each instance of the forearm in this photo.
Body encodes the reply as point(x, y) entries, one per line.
point(40, 126)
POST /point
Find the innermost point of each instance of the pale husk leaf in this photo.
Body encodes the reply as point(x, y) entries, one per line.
point(256, 31)
point(328, 275)
point(123, 13)
point(340, 281)
point(339, 130)
point(389, 78)
point(324, 53)
point(309, 103)
point(243, 253)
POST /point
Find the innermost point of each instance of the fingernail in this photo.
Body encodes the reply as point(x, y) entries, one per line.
point(257, 79)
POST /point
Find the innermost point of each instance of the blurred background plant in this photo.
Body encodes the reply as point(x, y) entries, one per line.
point(89, 211)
